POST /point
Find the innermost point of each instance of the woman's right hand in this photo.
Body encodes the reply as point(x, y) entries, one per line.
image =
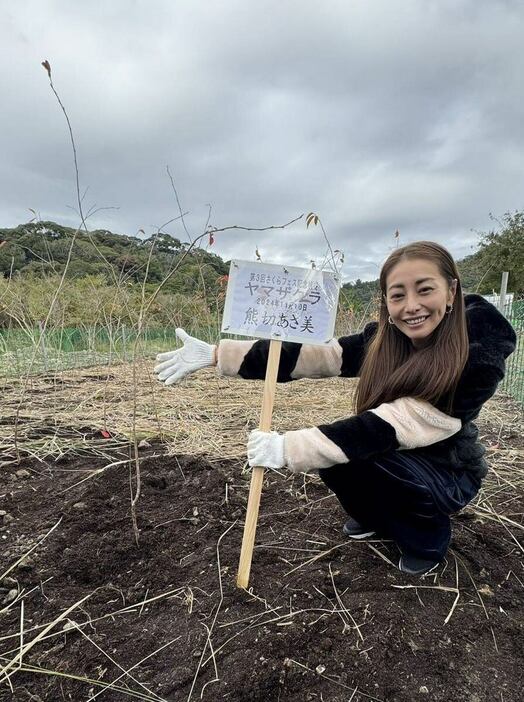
point(194, 354)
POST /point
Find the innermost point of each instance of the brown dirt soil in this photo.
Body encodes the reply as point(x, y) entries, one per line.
point(345, 626)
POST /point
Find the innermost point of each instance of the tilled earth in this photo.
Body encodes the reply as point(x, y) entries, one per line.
point(325, 618)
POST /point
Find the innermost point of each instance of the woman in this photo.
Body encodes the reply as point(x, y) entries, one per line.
point(409, 457)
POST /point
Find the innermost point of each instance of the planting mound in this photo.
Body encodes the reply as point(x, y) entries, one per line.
point(325, 619)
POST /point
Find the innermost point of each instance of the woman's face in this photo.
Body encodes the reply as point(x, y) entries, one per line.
point(416, 298)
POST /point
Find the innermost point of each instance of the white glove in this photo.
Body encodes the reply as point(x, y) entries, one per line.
point(193, 355)
point(266, 449)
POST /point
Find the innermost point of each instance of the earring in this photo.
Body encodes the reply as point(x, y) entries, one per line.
point(449, 309)
point(390, 320)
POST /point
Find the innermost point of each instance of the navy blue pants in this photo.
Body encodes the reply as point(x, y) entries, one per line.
point(403, 497)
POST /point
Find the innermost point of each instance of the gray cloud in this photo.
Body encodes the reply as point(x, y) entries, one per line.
point(376, 115)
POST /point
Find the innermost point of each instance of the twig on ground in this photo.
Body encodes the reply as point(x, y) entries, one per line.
point(480, 599)
point(344, 609)
point(37, 638)
point(210, 629)
point(115, 663)
point(315, 558)
point(333, 680)
point(22, 558)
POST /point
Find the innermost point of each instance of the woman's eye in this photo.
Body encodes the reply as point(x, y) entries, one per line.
point(424, 290)
point(396, 297)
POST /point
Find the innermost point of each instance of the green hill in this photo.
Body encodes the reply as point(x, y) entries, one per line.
point(41, 249)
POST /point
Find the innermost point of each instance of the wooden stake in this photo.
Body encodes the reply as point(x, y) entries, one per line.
point(257, 473)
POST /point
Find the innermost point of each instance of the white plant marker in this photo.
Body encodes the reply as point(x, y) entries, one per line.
point(279, 303)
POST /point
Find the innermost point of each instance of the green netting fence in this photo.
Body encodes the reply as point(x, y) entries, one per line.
point(35, 351)
point(513, 383)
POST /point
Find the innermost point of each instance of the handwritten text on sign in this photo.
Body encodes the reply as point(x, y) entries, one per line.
point(281, 302)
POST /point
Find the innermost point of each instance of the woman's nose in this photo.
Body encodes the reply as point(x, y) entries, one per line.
point(412, 302)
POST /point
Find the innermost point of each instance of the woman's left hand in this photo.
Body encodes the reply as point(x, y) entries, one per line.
point(266, 449)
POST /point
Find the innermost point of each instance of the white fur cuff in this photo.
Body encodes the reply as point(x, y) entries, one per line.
point(309, 449)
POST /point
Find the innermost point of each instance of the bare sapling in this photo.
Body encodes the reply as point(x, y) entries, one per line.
point(122, 305)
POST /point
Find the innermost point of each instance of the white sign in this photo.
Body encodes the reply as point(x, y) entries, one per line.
point(281, 302)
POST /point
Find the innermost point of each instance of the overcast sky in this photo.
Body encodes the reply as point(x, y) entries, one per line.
point(376, 114)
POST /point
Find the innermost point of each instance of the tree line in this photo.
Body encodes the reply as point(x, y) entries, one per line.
point(113, 270)
point(42, 249)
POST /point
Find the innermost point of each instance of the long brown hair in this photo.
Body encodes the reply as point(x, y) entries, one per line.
point(392, 368)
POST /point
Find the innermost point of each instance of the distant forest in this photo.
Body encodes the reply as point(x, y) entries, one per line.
point(39, 251)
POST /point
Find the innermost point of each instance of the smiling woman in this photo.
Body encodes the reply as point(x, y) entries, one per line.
point(409, 457)
point(417, 305)
point(422, 325)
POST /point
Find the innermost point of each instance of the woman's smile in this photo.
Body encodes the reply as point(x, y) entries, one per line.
point(416, 322)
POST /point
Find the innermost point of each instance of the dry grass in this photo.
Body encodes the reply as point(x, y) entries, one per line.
point(65, 414)
point(205, 414)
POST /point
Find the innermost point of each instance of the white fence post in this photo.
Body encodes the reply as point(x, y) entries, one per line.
point(503, 291)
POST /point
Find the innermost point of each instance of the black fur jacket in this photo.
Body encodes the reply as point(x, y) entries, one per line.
point(491, 340)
